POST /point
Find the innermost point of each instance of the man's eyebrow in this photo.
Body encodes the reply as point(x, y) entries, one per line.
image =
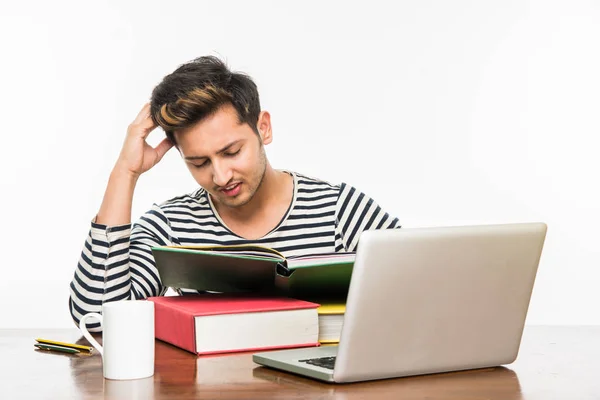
point(224, 149)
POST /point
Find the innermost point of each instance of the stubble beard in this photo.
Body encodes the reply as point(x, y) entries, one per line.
point(258, 177)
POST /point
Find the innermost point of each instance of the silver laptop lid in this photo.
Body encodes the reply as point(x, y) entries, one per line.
point(437, 299)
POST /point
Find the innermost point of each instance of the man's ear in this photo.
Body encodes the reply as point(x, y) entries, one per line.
point(264, 127)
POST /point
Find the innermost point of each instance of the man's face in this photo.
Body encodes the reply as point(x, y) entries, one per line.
point(225, 157)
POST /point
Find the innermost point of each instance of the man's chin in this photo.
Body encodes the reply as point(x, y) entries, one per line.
point(233, 202)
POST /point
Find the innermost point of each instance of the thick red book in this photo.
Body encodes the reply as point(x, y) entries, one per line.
point(222, 323)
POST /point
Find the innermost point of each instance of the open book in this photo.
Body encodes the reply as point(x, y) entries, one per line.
point(255, 269)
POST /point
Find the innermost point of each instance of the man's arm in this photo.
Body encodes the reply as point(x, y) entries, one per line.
point(136, 157)
point(116, 263)
point(105, 271)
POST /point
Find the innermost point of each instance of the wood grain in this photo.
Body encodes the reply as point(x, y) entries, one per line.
point(554, 363)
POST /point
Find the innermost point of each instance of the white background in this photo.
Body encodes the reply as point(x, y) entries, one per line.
point(447, 113)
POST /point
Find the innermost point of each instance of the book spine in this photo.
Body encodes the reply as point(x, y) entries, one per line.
point(174, 326)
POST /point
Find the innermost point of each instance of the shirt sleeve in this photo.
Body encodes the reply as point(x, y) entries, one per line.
point(355, 213)
point(116, 263)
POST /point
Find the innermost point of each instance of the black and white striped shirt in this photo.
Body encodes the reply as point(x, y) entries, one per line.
point(117, 263)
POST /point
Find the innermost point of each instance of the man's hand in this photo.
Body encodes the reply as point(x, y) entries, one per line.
point(137, 156)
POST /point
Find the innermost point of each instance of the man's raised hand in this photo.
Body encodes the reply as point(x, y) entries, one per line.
point(137, 156)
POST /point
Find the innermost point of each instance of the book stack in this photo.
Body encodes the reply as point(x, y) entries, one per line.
point(255, 298)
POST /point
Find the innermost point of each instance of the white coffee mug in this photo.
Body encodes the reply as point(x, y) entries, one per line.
point(136, 389)
point(127, 338)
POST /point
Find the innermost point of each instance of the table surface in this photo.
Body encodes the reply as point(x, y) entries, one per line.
point(554, 363)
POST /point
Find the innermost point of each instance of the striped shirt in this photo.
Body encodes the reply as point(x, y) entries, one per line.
point(117, 263)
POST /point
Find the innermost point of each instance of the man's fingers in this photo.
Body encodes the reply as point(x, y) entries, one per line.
point(147, 125)
point(163, 147)
point(143, 114)
point(143, 123)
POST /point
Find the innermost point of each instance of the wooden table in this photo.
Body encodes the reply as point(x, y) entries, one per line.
point(554, 363)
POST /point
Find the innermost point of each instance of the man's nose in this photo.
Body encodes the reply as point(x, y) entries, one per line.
point(221, 173)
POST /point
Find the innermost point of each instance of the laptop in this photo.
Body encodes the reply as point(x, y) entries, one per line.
point(428, 300)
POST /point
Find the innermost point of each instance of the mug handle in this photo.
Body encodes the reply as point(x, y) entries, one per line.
point(87, 335)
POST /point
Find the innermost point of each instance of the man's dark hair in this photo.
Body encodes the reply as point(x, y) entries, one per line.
point(198, 89)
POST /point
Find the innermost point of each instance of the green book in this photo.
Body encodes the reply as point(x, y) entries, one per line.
point(254, 269)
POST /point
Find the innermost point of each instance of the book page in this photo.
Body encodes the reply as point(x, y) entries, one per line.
point(235, 250)
point(313, 260)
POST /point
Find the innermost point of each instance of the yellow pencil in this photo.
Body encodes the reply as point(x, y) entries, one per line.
point(89, 349)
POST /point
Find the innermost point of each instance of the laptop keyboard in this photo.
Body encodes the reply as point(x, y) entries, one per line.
point(325, 362)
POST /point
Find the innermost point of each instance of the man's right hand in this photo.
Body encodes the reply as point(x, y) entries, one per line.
point(137, 156)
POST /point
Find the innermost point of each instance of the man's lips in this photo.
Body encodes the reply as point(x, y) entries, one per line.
point(232, 189)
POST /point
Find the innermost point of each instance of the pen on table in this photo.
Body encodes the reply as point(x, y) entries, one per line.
point(49, 347)
point(72, 346)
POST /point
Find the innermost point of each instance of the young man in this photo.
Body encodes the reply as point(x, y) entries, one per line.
point(213, 117)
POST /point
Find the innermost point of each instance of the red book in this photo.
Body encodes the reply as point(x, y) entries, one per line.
point(222, 323)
